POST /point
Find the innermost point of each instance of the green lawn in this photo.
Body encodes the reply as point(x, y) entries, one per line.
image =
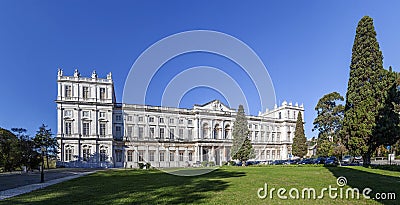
point(227, 185)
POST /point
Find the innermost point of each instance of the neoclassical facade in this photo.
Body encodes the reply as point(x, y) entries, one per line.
point(95, 131)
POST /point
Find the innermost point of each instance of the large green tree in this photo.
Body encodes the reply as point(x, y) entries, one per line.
point(369, 118)
point(242, 149)
point(45, 139)
point(328, 124)
point(299, 146)
point(9, 152)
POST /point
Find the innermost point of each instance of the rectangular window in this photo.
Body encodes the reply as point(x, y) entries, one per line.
point(102, 93)
point(273, 137)
point(262, 154)
point(151, 156)
point(118, 155)
point(141, 156)
point(102, 129)
point(255, 126)
point(118, 118)
point(171, 156)
point(140, 119)
point(140, 132)
point(180, 133)
point(68, 155)
point(161, 133)
point(151, 119)
point(162, 158)
point(278, 154)
point(85, 93)
point(171, 133)
point(103, 155)
point(68, 113)
point(256, 136)
point(171, 120)
point(130, 129)
point(86, 154)
point(118, 131)
point(130, 155)
point(68, 91)
point(268, 154)
point(85, 129)
point(68, 128)
point(86, 113)
point(130, 118)
point(190, 122)
point(151, 131)
point(161, 120)
point(102, 114)
point(273, 154)
point(190, 156)
point(181, 156)
point(190, 133)
point(278, 137)
point(180, 121)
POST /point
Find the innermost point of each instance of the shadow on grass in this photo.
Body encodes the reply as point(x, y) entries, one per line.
point(131, 187)
point(381, 184)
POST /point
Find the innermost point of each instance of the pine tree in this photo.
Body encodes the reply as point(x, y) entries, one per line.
point(299, 147)
point(44, 139)
point(367, 96)
point(242, 149)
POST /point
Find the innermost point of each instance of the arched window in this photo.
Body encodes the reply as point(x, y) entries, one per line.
point(227, 132)
point(216, 131)
point(69, 151)
point(205, 130)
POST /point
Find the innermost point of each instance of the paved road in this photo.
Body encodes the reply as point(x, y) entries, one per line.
point(18, 179)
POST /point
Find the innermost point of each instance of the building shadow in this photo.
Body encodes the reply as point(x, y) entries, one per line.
point(131, 187)
point(378, 183)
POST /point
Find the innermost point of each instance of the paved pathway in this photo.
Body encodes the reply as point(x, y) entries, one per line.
point(13, 184)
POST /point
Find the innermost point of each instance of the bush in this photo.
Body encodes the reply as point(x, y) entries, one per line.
point(148, 165)
point(211, 164)
point(204, 163)
point(141, 165)
point(232, 163)
point(386, 167)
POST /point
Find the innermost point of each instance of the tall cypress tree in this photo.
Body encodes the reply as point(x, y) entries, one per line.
point(299, 147)
point(367, 94)
point(242, 149)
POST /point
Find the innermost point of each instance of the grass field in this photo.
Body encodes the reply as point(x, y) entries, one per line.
point(227, 185)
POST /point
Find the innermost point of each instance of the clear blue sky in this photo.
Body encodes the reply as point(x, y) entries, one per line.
point(305, 45)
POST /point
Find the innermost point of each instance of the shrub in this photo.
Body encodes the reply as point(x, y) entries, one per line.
point(386, 167)
point(148, 165)
point(232, 163)
point(211, 164)
point(141, 165)
point(204, 163)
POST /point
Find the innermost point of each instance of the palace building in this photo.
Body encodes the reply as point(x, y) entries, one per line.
point(96, 131)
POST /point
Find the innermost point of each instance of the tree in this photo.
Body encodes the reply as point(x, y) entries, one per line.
point(44, 139)
point(8, 150)
point(28, 156)
point(299, 147)
point(328, 123)
point(369, 96)
point(242, 149)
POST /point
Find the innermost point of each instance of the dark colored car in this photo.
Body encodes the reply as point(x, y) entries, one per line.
point(278, 162)
point(320, 160)
point(332, 161)
point(307, 161)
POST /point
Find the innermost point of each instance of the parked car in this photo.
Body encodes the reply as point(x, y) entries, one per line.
point(332, 161)
point(307, 161)
point(278, 162)
point(347, 159)
point(358, 158)
point(292, 161)
point(320, 160)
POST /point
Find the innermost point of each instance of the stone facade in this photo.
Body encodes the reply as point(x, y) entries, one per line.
point(95, 131)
